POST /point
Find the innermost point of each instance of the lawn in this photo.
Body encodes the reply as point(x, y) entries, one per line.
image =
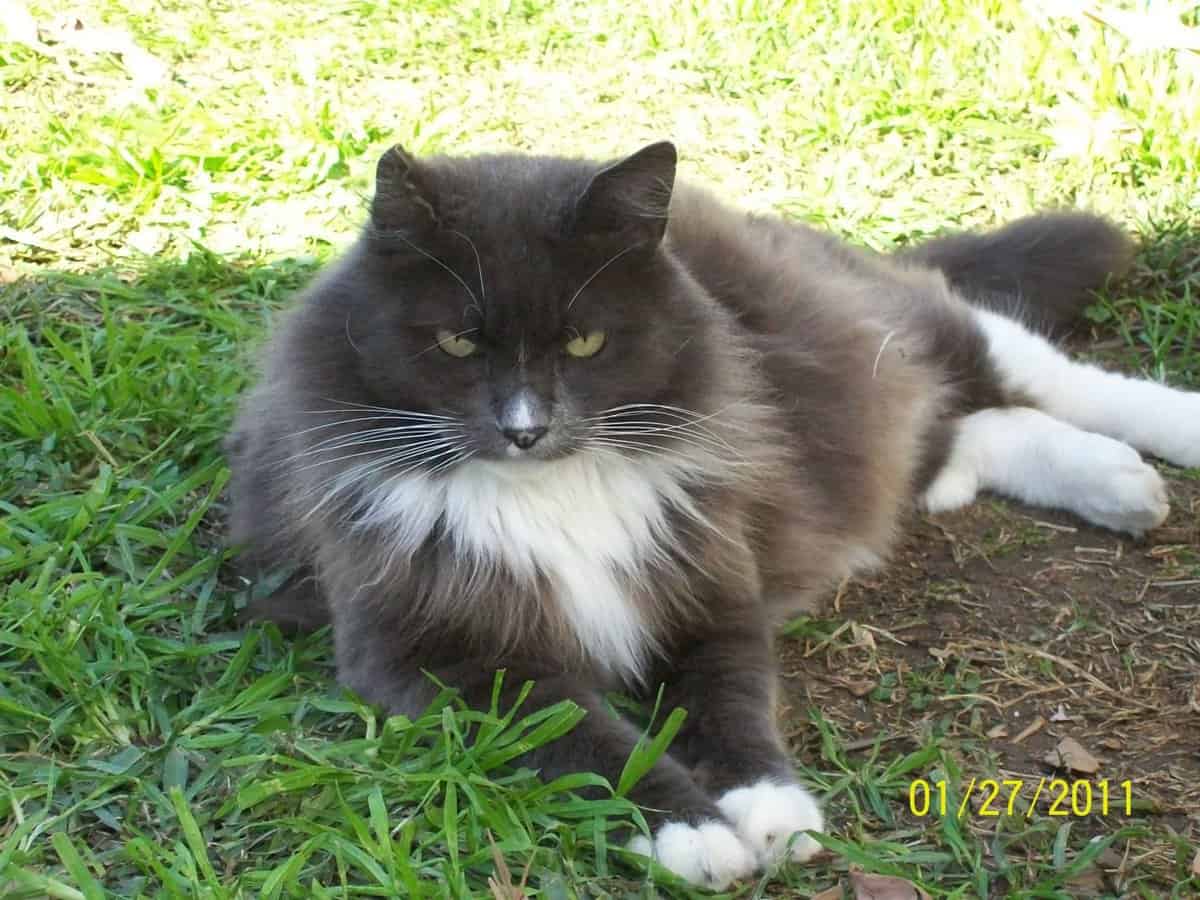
point(171, 172)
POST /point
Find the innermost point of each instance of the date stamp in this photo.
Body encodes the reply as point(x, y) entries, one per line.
point(992, 798)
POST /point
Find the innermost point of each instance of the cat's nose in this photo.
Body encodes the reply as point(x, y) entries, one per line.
point(524, 419)
point(525, 437)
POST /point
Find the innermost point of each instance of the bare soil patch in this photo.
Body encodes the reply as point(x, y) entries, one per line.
point(1002, 630)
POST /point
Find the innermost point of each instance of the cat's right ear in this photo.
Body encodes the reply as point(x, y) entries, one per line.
point(404, 203)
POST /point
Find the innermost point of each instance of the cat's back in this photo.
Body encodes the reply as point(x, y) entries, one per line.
point(771, 273)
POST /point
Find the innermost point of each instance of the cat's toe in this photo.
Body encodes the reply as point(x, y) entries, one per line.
point(1128, 496)
point(768, 813)
point(709, 855)
point(953, 488)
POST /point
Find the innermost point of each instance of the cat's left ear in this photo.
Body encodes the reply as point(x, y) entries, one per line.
point(629, 199)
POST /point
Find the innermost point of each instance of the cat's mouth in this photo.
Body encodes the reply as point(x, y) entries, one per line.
point(551, 445)
point(512, 451)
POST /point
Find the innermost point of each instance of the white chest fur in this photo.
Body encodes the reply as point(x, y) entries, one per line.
point(588, 523)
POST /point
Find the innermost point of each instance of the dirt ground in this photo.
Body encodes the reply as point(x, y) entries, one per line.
point(1006, 629)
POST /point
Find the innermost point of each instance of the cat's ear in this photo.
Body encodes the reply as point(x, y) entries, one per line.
point(404, 202)
point(629, 199)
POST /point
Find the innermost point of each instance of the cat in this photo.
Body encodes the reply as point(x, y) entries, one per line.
point(595, 428)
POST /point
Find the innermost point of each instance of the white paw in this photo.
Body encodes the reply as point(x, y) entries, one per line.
point(1177, 435)
point(1122, 492)
point(709, 855)
point(953, 488)
point(766, 815)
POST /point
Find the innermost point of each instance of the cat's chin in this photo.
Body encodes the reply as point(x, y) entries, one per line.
point(516, 454)
point(522, 464)
point(524, 460)
point(513, 455)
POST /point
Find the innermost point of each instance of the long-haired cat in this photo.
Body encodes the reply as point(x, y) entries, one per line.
point(581, 423)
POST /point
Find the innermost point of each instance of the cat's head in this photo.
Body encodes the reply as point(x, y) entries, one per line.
point(515, 308)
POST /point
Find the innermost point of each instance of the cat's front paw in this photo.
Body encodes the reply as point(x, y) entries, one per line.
point(767, 813)
point(709, 855)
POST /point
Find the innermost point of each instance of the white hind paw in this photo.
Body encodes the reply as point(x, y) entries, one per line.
point(1126, 495)
point(1180, 442)
point(768, 813)
point(709, 855)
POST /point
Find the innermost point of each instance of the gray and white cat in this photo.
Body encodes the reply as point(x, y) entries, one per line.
point(581, 423)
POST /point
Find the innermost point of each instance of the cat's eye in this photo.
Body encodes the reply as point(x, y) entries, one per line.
point(584, 345)
point(455, 344)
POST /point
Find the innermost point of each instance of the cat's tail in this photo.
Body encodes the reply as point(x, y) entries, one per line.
point(1040, 270)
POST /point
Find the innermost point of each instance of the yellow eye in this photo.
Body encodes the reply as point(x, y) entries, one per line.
point(455, 344)
point(585, 345)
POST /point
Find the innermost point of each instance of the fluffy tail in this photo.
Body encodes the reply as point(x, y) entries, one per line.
point(1040, 270)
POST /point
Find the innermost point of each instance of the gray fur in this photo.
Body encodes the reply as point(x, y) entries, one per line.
point(827, 381)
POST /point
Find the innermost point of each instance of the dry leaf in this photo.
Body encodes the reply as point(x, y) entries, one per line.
point(833, 893)
point(998, 731)
point(1196, 864)
point(1069, 754)
point(884, 887)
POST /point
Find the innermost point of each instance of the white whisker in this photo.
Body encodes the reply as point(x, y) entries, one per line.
point(660, 451)
point(405, 451)
point(649, 425)
point(592, 277)
point(479, 266)
point(616, 415)
point(438, 455)
point(700, 441)
point(436, 344)
point(324, 425)
point(343, 482)
point(386, 409)
point(367, 438)
point(433, 258)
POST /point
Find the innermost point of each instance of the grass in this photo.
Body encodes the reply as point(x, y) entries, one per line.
point(158, 206)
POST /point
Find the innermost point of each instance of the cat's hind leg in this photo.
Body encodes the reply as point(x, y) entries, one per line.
point(1060, 433)
point(1152, 417)
point(1026, 454)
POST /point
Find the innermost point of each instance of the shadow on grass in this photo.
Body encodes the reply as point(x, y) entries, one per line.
point(123, 383)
